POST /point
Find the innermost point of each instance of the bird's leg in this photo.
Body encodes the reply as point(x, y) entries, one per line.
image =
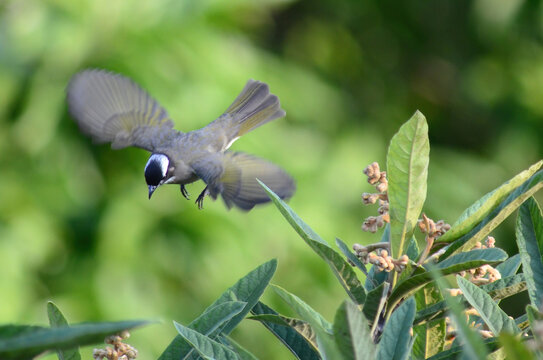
point(200, 200)
point(184, 192)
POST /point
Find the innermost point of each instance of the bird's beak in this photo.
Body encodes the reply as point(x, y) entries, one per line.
point(151, 190)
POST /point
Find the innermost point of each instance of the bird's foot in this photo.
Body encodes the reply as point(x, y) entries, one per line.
point(200, 200)
point(184, 192)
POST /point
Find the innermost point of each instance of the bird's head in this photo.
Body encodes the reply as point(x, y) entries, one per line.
point(156, 171)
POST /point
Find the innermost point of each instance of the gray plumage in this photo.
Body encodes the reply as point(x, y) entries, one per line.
point(112, 108)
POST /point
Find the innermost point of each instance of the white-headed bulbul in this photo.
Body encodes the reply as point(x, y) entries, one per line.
point(112, 108)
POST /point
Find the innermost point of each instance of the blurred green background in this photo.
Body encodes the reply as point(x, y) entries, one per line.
point(75, 223)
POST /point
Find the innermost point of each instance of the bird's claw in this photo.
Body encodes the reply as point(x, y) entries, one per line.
point(184, 192)
point(200, 199)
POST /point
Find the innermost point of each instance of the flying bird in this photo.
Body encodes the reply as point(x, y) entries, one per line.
point(112, 108)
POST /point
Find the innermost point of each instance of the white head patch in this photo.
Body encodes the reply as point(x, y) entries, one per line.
point(161, 160)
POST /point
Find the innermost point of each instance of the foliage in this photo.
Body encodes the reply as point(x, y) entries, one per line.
point(378, 320)
point(75, 223)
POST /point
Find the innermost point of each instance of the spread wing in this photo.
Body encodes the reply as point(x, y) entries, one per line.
point(233, 175)
point(112, 108)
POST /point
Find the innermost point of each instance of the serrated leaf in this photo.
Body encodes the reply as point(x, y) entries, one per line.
point(497, 215)
point(396, 334)
point(407, 172)
point(56, 319)
point(206, 347)
point(248, 289)
point(456, 263)
point(26, 342)
point(482, 207)
point(350, 256)
point(515, 348)
point(499, 289)
point(340, 267)
point(529, 232)
point(494, 317)
point(298, 338)
point(352, 333)
point(510, 266)
point(322, 328)
point(472, 344)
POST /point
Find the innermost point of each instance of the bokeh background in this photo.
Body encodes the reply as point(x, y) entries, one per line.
point(75, 223)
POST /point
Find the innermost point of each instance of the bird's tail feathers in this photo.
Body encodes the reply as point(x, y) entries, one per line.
point(254, 107)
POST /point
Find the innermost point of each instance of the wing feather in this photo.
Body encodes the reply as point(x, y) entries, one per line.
point(233, 176)
point(112, 108)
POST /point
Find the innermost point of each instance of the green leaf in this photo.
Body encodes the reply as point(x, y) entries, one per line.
point(496, 216)
point(407, 171)
point(56, 320)
point(413, 250)
point(305, 311)
point(459, 262)
point(376, 277)
point(206, 347)
point(482, 207)
point(322, 328)
point(499, 289)
point(243, 353)
point(533, 315)
point(352, 333)
point(503, 288)
point(350, 256)
point(472, 344)
point(430, 336)
point(396, 336)
point(493, 255)
point(457, 351)
point(529, 231)
point(247, 289)
point(207, 323)
point(494, 317)
point(515, 348)
point(26, 342)
point(340, 267)
point(298, 339)
point(375, 302)
point(510, 266)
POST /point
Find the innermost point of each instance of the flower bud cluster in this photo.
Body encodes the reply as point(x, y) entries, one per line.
point(377, 178)
point(486, 273)
point(120, 350)
point(377, 254)
point(433, 229)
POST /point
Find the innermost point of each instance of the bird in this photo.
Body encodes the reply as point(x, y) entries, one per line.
point(112, 108)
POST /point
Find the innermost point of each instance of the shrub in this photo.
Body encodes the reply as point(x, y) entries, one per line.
point(431, 293)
